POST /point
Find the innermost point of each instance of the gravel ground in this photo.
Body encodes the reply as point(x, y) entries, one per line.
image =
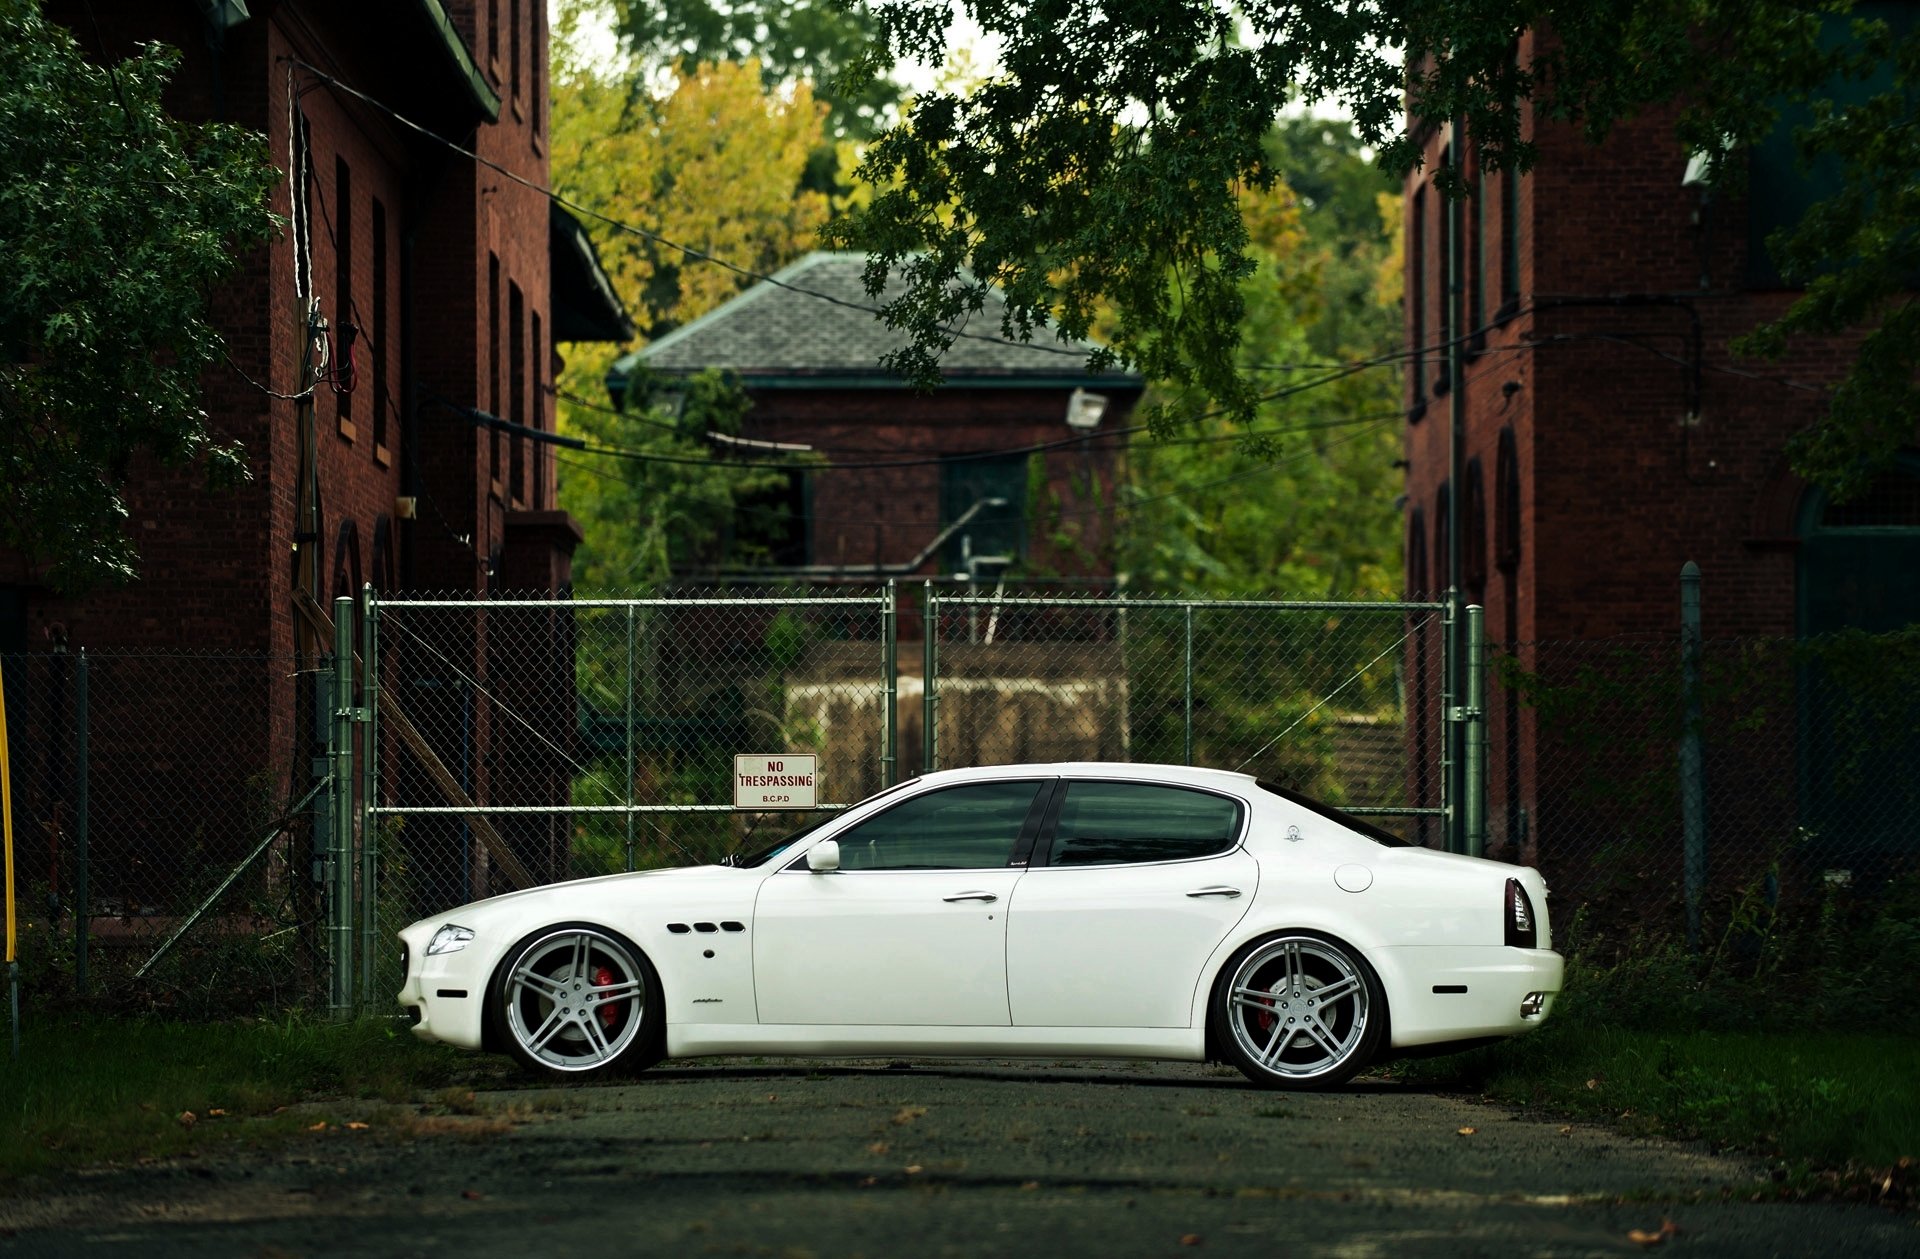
point(992, 1158)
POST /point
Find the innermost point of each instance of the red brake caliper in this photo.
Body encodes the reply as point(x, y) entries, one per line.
point(609, 1013)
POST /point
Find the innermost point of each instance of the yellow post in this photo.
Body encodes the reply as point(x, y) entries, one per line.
point(6, 834)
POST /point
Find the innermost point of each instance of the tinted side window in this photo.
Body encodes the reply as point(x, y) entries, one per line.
point(1109, 823)
point(961, 828)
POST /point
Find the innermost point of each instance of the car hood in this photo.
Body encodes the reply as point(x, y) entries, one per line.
point(506, 900)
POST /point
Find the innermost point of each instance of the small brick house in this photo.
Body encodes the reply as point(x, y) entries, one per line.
point(1610, 435)
point(459, 282)
point(1008, 466)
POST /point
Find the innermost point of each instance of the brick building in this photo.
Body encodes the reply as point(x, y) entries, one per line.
point(1609, 433)
point(446, 280)
point(1009, 466)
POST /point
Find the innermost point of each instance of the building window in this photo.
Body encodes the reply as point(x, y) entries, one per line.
point(494, 435)
point(1417, 296)
point(536, 69)
point(1418, 574)
point(771, 526)
point(539, 413)
point(994, 490)
point(1449, 246)
point(1477, 295)
point(1473, 536)
point(1509, 241)
point(493, 36)
point(343, 330)
point(513, 47)
point(517, 391)
point(377, 334)
point(1506, 503)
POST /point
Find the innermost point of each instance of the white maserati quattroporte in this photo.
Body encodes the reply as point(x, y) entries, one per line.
point(1100, 910)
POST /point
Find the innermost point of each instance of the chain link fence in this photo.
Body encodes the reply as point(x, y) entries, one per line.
point(142, 804)
point(1806, 787)
point(509, 743)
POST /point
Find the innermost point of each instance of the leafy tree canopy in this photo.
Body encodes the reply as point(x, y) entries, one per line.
point(117, 219)
point(1103, 169)
point(811, 41)
point(715, 162)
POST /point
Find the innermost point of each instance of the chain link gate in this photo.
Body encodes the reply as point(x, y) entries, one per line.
point(515, 742)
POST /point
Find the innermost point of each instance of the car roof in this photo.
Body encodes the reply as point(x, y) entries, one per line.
point(1191, 775)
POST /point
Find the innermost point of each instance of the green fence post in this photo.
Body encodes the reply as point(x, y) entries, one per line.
point(1448, 717)
point(368, 711)
point(890, 682)
point(629, 712)
point(1693, 803)
point(82, 759)
point(929, 661)
point(1473, 801)
point(340, 863)
point(1187, 688)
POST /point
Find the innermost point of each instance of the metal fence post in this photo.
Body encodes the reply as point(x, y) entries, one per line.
point(369, 713)
point(1693, 805)
point(82, 758)
point(340, 863)
point(1187, 685)
point(890, 675)
point(1448, 719)
point(629, 719)
point(1473, 802)
point(929, 661)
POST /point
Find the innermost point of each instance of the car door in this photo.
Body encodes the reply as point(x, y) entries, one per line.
point(1130, 889)
point(911, 930)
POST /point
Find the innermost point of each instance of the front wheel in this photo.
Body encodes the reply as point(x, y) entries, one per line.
point(1298, 1010)
point(577, 1000)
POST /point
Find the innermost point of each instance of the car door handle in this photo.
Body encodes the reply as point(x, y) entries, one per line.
point(972, 896)
point(1228, 892)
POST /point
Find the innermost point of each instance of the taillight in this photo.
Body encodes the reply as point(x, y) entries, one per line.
point(1522, 933)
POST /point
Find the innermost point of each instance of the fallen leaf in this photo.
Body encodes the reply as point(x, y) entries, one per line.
point(1031, 1184)
point(472, 1195)
point(907, 1114)
point(214, 1110)
point(869, 1182)
point(878, 1147)
point(187, 1119)
point(1467, 1132)
point(914, 1169)
point(1566, 1130)
point(773, 1097)
point(357, 1126)
point(1642, 1237)
point(1593, 1084)
point(318, 1127)
point(1190, 1239)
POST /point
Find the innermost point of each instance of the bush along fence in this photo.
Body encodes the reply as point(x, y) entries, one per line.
point(209, 833)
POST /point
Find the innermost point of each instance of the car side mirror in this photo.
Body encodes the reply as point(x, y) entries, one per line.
point(824, 856)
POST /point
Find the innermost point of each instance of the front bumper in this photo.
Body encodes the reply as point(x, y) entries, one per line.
point(444, 996)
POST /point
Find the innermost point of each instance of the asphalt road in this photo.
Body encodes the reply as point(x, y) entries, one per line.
point(1041, 1160)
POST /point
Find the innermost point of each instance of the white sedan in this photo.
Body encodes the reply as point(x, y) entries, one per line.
point(1101, 910)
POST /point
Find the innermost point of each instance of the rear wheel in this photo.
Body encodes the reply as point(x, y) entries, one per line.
point(577, 1001)
point(1298, 1010)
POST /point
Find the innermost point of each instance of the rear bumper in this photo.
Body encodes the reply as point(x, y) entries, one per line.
point(1444, 994)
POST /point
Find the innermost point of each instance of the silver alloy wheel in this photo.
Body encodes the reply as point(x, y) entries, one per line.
point(1298, 1007)
point(574, 999)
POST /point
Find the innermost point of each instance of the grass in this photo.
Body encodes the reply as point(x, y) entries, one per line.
point(1809, 1098)
point(88, 1089)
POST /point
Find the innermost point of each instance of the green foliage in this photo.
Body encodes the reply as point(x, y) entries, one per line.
point(1102, 173)
point(812, 40)
point(117, 220)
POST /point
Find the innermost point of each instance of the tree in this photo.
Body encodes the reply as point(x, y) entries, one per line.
point(1103, 167)
point(117, 219)
point(793, 41)
point(715, 163)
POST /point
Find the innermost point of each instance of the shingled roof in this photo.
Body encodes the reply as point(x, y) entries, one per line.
point(774, 335)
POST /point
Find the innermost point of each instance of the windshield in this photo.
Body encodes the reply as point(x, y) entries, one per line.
point(1378, 834)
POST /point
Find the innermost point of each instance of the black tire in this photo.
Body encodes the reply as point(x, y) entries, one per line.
point(1270, 1021)
point(577, 1001)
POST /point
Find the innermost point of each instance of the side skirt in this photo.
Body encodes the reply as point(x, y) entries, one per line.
point(697, 1040)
